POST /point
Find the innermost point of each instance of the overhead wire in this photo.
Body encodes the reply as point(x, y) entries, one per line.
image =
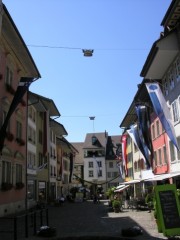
point(78, 48)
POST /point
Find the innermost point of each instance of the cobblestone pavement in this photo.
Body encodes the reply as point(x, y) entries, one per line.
point(89, 220)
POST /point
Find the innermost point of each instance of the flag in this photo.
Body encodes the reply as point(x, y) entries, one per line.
point(138, 140)
point(144, 133)
point(124, 154)
point(40, 168)
point(97, 166)
point(21, 90)
point(144, 125)
point(162, 111)
point(119, 166)
point(71, 167)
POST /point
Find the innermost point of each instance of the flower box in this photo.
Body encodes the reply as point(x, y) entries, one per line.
point(5, 186)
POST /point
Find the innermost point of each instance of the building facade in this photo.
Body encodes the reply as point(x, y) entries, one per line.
point(14, 66)
point(161, 67)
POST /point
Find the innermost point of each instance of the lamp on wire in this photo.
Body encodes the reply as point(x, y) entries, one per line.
point(88, 52)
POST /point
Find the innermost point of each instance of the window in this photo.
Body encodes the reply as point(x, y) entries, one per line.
point(177, 69)
point(100, 173)
point(40, 137)
point(6, 172)
point(51, 150)
point(91, 173)
point(31, 135)
point(165, 154)
point(31, 159)
point(166, 87)
point(110, 164)
point(153, 132)
point(171, 79)
point(66, 179)
point(175, 111)
point(90, 164)
point(135, 147)
point(178, 152)
point(172, 152)
point(4, 117)
point(99, 163)
point(31, 193)
point(135, 166)
point(18, 130)
point(18, 173)
point(32, 114)
point(157, 128)
point(94, 153)
point(155, 158)
point(66, 165)
point(94, 140)
point(109, 174)
point(40, 159)
point(9, 76)
point(53, 136)
point(115, 174)
point(159, 156)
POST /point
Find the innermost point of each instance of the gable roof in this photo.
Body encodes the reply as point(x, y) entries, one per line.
point(101, 140)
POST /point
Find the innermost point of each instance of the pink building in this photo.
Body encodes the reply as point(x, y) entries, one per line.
point(161, 161)
point(16, 62)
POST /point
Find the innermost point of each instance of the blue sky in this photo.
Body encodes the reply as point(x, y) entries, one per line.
point(121, 32)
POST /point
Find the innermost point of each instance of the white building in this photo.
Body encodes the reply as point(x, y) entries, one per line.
point(94, 160)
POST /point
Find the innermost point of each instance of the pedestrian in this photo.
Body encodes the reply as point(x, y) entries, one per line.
point(95, 199)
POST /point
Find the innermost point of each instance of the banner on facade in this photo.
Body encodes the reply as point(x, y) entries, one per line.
point(137, 139)
point(124, 153)
point(144, 126)
point(162, 111)
point(22, 88)
point(97, 166)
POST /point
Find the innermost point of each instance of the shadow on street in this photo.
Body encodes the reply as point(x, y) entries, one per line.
point(87, 221)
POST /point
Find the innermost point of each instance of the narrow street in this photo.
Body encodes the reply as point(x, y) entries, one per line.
point(90, 221)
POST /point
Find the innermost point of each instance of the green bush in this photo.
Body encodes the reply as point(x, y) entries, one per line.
point(116, 204)
point(110, 192)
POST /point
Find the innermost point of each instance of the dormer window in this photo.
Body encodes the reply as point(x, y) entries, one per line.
point(94, 139)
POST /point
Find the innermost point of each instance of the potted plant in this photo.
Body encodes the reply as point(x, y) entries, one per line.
point(116, 204)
